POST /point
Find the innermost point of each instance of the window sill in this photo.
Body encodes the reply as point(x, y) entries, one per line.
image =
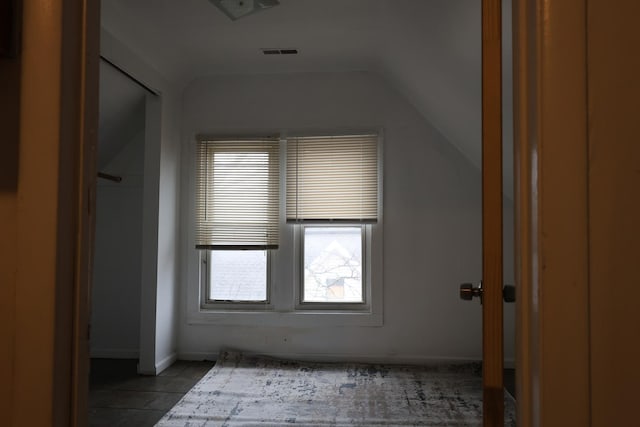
point(292, 319)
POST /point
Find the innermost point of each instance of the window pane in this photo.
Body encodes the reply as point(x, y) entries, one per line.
point(333, 264)
point(238, 275)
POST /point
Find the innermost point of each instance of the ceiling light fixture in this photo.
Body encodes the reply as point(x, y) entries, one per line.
point(236, 9)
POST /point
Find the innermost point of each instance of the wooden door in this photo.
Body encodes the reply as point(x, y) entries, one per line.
point(492, 338)
point(490, 290)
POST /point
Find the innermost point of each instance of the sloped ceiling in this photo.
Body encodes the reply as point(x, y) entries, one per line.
point(430, 50)
point(121, 112)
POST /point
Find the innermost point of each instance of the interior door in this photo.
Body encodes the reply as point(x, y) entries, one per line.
point(490, 289)
point(492, 280)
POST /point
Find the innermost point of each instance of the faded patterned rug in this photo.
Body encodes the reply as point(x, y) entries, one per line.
point(242, 390)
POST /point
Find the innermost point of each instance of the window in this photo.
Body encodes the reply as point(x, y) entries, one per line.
point(237, 209)
point(331, 181)
point(289, 226)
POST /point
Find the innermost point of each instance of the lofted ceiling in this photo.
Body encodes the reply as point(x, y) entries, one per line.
point(429, 50)
point(121, 112)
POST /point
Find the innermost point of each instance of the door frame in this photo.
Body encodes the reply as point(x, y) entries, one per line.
point(58, 115)
point(81, 23)
point(551, 202)
point(550, 198)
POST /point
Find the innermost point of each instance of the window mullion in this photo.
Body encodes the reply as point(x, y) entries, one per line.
point(281, 285)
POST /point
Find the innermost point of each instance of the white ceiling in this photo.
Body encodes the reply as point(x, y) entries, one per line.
point(430, 50)
point(190, 38)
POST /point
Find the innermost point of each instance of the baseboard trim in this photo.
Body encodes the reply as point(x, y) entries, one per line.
point(114, 353)
point(166, 362)
point(198, 356)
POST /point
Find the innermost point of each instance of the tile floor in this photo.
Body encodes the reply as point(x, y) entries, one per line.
point(119, 397)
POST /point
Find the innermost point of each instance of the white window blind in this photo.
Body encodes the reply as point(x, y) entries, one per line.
point(332, 179)
point(237, 193)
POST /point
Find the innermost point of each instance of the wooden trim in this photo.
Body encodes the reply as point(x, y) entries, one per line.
point(78, 135)
point(551, 199)
point(37, 385)
point(49, 383)
point(492, 281)
point(87, 133)
point(525, 204)
point(614, 209)
point(562, 233)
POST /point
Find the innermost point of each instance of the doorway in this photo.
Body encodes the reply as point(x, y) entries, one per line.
point(115, 296)
point(442, 291)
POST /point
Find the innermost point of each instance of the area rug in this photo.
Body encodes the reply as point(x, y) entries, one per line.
point(242, 390)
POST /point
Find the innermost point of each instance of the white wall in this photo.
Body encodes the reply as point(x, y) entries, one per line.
point(168, 253)
point(115, 313)
point(433, 55)
point(432, 234)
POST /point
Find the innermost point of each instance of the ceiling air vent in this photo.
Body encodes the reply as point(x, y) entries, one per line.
point(279, 51)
